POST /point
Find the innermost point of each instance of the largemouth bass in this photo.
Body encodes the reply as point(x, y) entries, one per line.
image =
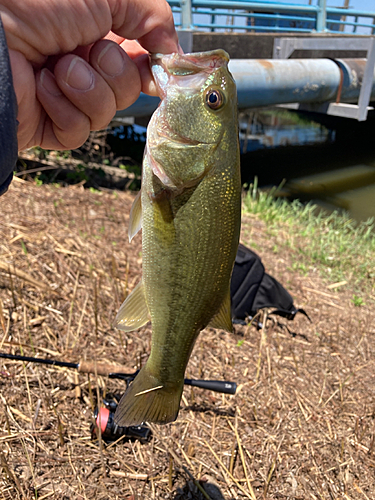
point(189, 208)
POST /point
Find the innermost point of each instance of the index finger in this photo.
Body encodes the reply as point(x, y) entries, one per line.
point(148, 21)
point(141, 58)
point(131, 47)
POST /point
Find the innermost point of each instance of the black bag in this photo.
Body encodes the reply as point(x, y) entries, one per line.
point(252, 289)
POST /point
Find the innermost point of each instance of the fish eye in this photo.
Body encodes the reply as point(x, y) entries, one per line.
point(214, 99)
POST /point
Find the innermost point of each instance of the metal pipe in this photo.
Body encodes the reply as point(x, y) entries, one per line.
point(186, 15)
point(275, 7)
point(321, 16)
point(263, 82)
point(320, 12)
point(255, 28)
point(266, 82)
point(262, 6)
point(349, 12)
point(145, 105)
point(262, 15)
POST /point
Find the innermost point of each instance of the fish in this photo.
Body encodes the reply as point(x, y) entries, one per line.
point(189, 209)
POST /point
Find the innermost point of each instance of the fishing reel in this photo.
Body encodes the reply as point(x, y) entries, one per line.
point(105, 415)
point(105, 418)
point(105, 421)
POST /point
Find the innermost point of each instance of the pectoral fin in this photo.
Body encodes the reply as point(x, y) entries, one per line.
point(223, 319)
point(133, 312)
point(135, 218)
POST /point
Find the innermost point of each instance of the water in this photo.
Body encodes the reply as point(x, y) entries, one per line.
point(268, 129)
point(336, 171)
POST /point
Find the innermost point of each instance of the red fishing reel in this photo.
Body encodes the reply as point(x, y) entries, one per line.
point(105, 421)
point(105, 416)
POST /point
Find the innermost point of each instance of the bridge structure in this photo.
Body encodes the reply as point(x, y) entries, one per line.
point(306, 56)
point(268, 16)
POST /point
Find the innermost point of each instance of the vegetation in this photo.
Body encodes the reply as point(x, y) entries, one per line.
point(300, 426)
point(338, 246)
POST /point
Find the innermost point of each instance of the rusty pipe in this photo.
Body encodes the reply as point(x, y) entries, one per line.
point(266, 82)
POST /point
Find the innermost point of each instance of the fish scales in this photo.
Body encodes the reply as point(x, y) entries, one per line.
point(190, 210)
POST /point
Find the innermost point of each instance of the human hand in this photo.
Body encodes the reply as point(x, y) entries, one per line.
point(68, 79)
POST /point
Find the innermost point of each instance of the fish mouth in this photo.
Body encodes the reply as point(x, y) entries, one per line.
point(187, 73)
point(185, 70)
point(188, 64)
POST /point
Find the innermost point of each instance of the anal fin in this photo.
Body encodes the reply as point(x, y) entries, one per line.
point(133, 313)
point(223, 319)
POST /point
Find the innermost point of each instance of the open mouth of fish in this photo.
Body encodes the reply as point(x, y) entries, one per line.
point(185, 70)
point(190, 64)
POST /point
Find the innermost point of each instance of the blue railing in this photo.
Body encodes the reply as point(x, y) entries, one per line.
point(263, 16)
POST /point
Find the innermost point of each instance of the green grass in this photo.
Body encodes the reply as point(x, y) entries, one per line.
point(335, 244)
point(358, 301)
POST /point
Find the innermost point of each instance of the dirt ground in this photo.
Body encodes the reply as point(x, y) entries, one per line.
point(301, 425)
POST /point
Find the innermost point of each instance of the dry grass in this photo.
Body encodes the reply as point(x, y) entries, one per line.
point(301, 426)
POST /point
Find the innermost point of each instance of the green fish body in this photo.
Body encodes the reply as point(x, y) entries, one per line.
point(190, 210)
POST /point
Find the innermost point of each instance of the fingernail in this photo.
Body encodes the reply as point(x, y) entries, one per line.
point(111, 60)
point(79, 75)
point(48, 82)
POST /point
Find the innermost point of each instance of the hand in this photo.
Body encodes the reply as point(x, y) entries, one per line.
point(68, 79)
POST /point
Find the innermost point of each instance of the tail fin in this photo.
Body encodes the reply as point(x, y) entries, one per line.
point(147, 400)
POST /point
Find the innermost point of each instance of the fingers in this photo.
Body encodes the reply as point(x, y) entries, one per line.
point(81, 90)
point(40, 28)
point(29, 109)
point(82, 96)
point(64, 126)
point(149, 22)
point(148, 83)
point(141, 58)
point(118, 70)
point(62, 26)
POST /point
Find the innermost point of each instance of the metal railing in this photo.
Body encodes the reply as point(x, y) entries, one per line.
point(263, 16)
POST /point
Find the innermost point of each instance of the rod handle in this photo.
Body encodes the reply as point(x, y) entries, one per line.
point(101, 368)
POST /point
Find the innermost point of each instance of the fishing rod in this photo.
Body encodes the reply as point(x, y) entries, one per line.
point(120, 372)
point(104, 416)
